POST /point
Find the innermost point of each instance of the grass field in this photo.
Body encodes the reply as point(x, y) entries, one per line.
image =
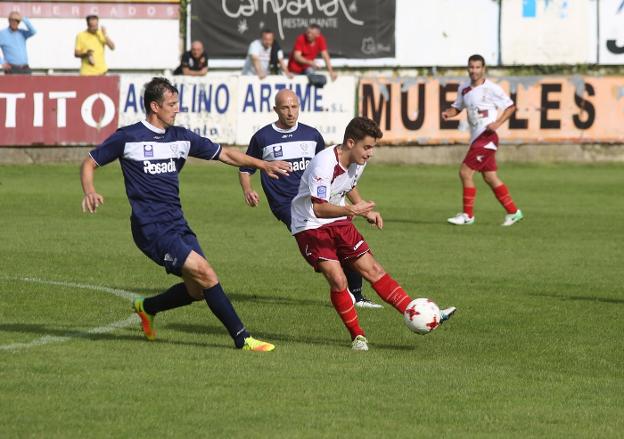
point(535, 350)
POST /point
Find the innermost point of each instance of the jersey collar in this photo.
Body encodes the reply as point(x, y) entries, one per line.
point(151, 127)
point(281, 130)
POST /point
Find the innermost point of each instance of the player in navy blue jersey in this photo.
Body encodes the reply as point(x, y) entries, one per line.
point(152, 153)
point(287, 139)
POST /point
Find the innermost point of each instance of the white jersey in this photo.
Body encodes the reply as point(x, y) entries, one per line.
point(482, 103)
point(257, 49)
point(324, 181)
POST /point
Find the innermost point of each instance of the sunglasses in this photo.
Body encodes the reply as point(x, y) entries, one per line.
point(15, 20)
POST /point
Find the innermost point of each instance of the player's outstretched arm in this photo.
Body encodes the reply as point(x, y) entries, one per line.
point(450, 112)
point(251, 197)
point(91, 200)
point(233, 157)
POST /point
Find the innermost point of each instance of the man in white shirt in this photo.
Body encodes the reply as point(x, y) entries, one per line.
point(259, 56)
point(322, 225)
point(483, 101)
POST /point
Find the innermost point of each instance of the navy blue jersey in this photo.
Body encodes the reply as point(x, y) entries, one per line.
point(296, 145)
point(151, 159)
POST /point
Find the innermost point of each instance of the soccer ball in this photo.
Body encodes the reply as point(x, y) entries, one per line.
point(422, 316)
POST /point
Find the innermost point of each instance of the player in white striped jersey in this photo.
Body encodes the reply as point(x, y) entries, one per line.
point(488, 107)
point(322, 225)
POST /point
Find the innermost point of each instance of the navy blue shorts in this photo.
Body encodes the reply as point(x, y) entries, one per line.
point(283, 214)
point(167, 244)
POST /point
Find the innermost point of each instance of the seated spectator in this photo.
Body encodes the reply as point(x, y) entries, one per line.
point(13, 45)
point(302, 58)
point(90, 45)
point(193, 62)
point(265, 57)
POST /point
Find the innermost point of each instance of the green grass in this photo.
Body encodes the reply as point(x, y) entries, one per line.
point(535, 349)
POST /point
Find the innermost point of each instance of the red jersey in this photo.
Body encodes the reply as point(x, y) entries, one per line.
point(308, 50)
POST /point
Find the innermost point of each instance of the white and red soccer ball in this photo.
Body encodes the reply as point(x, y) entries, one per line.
point(422, 316)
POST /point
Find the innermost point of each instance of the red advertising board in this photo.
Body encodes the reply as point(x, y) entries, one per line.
point(57, 110)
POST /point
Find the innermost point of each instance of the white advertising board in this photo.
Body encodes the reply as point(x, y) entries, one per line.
point(611, 32)
point(446, 32)
point(207, 104)
point(229, 109)
point(327, 109)
point(548, 32)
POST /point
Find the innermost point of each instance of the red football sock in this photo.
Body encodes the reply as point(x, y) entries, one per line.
point(391, 292)
point(346, 310)
point(470, 193)
point(502, 195)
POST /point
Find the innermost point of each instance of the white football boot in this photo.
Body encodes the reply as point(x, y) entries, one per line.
point(447, 313)
point(461, 219)
point(359, 343)
point(367, 303)
point(512, 218)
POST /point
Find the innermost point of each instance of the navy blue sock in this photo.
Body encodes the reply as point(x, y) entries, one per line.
point(354, 279)
point(174, 297)
point(221, 307)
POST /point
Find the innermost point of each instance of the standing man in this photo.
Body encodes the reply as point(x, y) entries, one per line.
point(13, 45)
point(152, 153)
point(322, 225)
point(90, 45)
point(307, 47)
point(265, 57)
point(483, 101)
point(287, 139)
point(193, 62)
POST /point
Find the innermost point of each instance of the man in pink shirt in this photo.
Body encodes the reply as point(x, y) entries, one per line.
point(307, 47)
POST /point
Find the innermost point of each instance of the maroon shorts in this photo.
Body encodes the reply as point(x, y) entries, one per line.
point(479, 158)
point(333, 242)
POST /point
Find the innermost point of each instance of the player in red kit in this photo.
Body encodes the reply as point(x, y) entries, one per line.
point(483, 101)
point(322, 225)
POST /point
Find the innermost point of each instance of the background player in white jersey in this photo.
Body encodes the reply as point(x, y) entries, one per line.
point(483, 101)
point(322, 224)
point(152, 153)
point(288, 139)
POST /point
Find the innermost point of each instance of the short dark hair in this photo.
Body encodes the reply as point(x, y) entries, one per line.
point(266, 31)
point(360, 127)
point(314, 26)
point(92, 17)
point(155, 92)
point(476, 57)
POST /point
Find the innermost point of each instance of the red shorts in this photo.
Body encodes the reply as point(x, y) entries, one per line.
point(479, 158)
point(332, 242)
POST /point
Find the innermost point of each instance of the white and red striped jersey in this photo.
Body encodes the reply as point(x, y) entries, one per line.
point(324, 181)
point(482, 103)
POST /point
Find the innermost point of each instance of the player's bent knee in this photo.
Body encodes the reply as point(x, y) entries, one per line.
point(372, 272)
point(338, 284)
point(207, 279)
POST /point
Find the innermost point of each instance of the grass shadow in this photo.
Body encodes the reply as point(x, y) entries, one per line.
point(581, 298)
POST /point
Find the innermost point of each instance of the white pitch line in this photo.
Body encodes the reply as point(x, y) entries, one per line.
point(48, 339)
point(120, 293)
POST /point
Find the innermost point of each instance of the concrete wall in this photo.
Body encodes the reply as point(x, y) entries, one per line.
point(432, 155)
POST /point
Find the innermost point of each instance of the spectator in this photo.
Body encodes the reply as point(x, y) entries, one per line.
point(193, 62)
point(265, 57)
point(90, 47)
point(13, 45)
point(302, 58)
